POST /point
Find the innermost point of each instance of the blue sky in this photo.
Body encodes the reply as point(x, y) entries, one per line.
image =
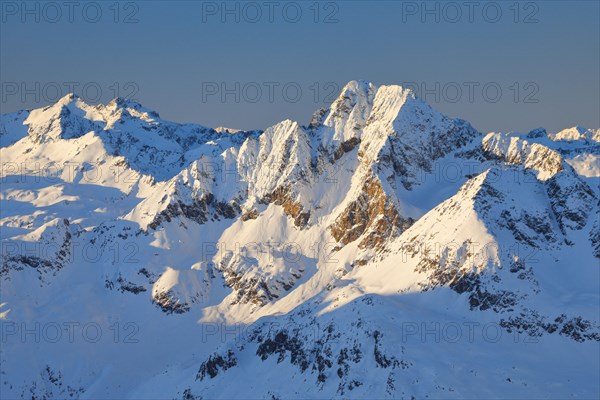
point(501, 65)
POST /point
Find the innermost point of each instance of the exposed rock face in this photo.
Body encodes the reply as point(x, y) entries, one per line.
point(192, 194)
point(282, 196)
point(52, 385)
point(46, 250)
point(371, 213)
point(249, 214)
point(528, 225)
point(259, 275)
point(176, 291)
point(345, 147)
point(533, 324)
point(124, 285)
point(514, 150)
point(595, 234)
point(537, 133)
point(572, 200)
point(216, 363)
point(463, 279)
point(201, 211)
point(252, 290)
point(169, 304)
point(325, 352)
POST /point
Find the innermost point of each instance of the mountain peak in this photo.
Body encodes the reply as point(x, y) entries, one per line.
point(120, 103)
point(354, 102)
point(68, 99)
point(537, 133)
point(346, 116)
point(357, 87)
point(398, 109)
point(577, 133)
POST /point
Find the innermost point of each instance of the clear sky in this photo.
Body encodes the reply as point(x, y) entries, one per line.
point(501, 65)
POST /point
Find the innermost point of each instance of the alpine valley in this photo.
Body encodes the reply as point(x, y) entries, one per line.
point(383, 250)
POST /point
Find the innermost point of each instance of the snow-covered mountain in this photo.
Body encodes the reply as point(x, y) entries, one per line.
point(384, 250)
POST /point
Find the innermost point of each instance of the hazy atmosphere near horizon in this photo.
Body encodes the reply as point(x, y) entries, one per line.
point(299, 199)
point(503, 66)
